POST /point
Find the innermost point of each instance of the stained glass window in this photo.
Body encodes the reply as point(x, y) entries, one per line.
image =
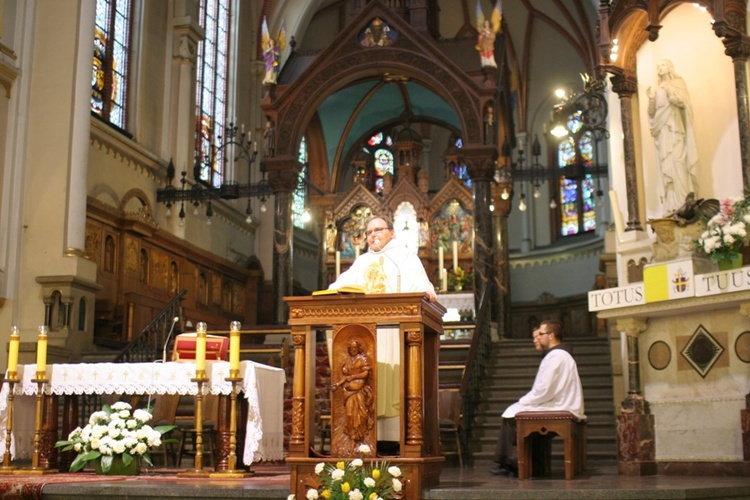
point(109, 78)
point(383, 165)
point(459, 169)
point(211, 95)
point(299, 197)
point(376, 139)
point(575, 154)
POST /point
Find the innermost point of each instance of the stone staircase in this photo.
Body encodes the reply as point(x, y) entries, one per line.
point(513, 366)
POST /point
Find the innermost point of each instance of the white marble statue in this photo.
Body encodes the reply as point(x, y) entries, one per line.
point(671, 120)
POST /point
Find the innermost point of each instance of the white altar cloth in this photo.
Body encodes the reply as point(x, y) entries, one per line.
point(262, 385)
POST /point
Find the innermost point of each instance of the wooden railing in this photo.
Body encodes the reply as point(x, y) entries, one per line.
point(476, 365)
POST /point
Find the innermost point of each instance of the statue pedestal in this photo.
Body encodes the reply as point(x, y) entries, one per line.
point(635, 445)
point(674, 241)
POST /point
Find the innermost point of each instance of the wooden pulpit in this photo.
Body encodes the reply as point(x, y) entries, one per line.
point(354, 320)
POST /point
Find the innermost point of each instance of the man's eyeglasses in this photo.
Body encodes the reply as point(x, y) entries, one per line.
point(376, 230)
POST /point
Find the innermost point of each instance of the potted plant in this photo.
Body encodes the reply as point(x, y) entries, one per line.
point(115, 440)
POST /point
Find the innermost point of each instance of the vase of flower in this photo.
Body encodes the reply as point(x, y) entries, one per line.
point(729, 261)
point(118, 467)
point(459, 278)
point(115, 440)
point(726, 233)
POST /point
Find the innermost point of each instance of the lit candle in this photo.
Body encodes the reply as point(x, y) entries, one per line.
point(15, 339)
point(338, 263)
point(41, 352)
point(441, 263)
point(234, 348)
point(200, 349)
point(455, 255)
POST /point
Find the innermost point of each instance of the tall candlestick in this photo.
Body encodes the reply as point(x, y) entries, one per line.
point(200, 349)
point(615, 207)
point(15, 339)
point(338, 263)
point(234, 347)
point(441, 263)
point(455, 255)
point(41, 352)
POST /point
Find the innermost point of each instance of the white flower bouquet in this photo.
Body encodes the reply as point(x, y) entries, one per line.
point(114, 432)
point(726, 231)
point(353, 480)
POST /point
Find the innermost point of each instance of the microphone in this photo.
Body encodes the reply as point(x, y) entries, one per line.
point(169, 335)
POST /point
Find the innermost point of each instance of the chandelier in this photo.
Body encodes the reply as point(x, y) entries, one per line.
point(236, 145)
point(590, 109)
point(510, 171)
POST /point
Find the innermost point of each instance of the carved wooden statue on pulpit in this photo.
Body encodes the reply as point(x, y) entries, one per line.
point(353, 392)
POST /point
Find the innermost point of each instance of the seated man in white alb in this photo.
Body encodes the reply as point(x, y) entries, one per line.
point(388, 266)
point(557, 387)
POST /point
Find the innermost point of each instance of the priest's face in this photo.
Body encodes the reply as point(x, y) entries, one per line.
point(378, 234)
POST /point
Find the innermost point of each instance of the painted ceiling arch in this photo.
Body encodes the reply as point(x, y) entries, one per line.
point(425, 73)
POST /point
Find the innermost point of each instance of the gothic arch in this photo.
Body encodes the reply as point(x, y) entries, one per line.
point(345, 62)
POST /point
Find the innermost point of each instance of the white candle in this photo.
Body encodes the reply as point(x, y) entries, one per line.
point(443, 280)
point(615, 207)
point(234, 348)
point(441, 264)
point(41, 352)
point(15, 339)
point(356, 251)
point(455, 255)
point(200, 349)
point(338, 263)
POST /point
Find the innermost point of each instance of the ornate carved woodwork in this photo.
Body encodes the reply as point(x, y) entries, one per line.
point(355, 317)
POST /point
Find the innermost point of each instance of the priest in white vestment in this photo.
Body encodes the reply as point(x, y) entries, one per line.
point(388, 266)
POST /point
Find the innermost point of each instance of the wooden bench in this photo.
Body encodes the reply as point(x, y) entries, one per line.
point(551, 423)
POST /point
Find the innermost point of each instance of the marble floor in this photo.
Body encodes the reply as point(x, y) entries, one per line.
point(600, 481)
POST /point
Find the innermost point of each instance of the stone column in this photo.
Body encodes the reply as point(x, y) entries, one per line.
point(636, 453)
point(283, 172)
point(480, 163)
point(501, 304)
point(55, 162)
point(737, 45)
point(625, 85)
point(181, 118)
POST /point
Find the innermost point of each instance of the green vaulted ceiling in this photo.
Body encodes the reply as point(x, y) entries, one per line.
point(354, 112)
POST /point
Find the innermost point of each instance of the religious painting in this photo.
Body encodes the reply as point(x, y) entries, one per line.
point(352, 239)
point(377, 34)
point(453, 223)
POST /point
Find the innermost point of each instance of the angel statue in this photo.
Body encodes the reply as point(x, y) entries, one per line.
point(487, 34)
point(272, 52)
